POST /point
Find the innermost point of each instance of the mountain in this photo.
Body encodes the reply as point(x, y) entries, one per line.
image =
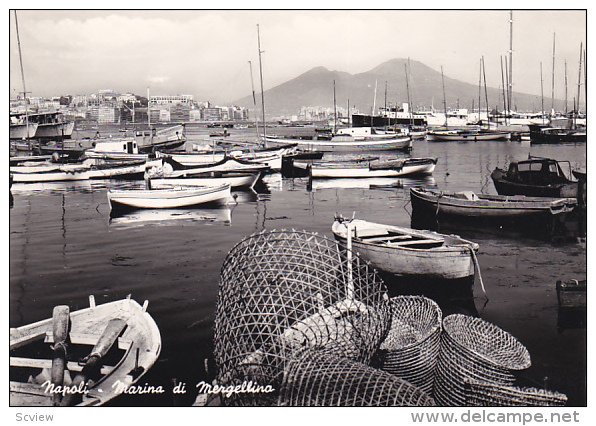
point(315, 88)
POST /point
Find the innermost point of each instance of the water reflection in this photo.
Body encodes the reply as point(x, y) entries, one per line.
point(167, 217)
point(370, 183)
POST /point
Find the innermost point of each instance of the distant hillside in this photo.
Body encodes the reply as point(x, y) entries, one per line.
point(315, 87)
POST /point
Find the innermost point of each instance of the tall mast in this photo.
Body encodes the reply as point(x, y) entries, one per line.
point(542, 92)
point(385, 96)
point(444, 99)
point(254, 99)
point(148, 110)
point(349, 115)
point(262, 92)
point(579, 76)
point(374, 105)
point(479, 90)
point(552, 93)
point(508, 108)
point(509, 100)
point(334, 110)
point(408, 90)
point(565, 87)
point(16, 21)
point(485, 94)
point(503, 87)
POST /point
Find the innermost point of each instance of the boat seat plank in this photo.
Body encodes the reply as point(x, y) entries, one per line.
point(387, 237)
point(88, 339)
point(47, 363)
point(418, 242)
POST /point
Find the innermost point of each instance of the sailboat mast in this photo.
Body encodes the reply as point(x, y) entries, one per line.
point(385, 96)
point(503, 87)
point(408, 90)
point(262, 91)
point(349, 115)
point(552, 93)
point(374, 105)
point(479, 89)
point(542, 92)
point(254, 99)
point(334, 110)
point(508, 107)
point(16, 21)
point(510, 98)
point(148, 110)
point(485, 94)
point(444, 99)
point(579, 76)
point(565, 87)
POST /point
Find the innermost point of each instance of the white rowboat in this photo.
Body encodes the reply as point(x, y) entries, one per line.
point(409, 252)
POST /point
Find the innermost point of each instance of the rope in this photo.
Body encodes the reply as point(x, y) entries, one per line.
point(477, 269)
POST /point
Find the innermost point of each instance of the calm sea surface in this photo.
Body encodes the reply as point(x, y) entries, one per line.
point(64, 247)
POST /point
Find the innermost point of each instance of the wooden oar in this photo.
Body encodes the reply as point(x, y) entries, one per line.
point(92, 362)
point(61, 319)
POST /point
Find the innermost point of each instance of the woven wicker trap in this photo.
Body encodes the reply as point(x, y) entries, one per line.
point(282, 292)
point(322, 379)
point(480, 394)
point(472, 348)
point(412, 345)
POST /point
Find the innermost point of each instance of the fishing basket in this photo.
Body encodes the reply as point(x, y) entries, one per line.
point(282, 292)
point(472, 348)
point(323, 379)
point(412, 344)
point(479, 394)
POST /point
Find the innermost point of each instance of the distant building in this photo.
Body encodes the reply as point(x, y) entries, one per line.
point(171, 99)
point(104, 114)
point(212, 114)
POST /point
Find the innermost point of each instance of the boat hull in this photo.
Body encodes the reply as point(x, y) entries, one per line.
point(497, 207)
point(19, 131)
point(240, 181)
point(336, 170)
point(164, 199)
point(439, 137)
point(447, 262)
point(56, 130)
point(381, 144)
point(507, 187)
point(140, 341)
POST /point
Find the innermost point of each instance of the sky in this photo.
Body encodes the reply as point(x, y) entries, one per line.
point(206, 53)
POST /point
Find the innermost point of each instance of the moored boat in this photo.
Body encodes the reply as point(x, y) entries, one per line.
point(347, 139)
point(374, 168)
point(535, 177)
point(467, 135)
point(408, 252)
point(121, 332)
point(234, 179)
point(174, 169)
point(471, 205)
point(166, 197)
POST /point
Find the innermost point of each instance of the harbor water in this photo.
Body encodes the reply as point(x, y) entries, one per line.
point(64, 246)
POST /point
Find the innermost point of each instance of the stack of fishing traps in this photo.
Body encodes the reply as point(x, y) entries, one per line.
point(284, 292)
point(306, 317)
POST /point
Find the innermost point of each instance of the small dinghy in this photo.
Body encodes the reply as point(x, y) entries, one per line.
point(373, 168)
point(471, 205)
point(408, 252)
point(117, 342)
point(166, 197)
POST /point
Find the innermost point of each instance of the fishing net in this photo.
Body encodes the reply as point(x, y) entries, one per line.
point(479, 394)
point(412, 345)
point(472, 348)
point(282, 292)
point(323, 379)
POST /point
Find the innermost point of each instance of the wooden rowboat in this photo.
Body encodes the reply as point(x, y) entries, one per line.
point(409, 252)
point(375, 168)
point(234, 179)
point(119, 332)
point(166, 198)
point(471, 205)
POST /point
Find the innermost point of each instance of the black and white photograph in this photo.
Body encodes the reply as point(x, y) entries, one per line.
point(298, 208)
